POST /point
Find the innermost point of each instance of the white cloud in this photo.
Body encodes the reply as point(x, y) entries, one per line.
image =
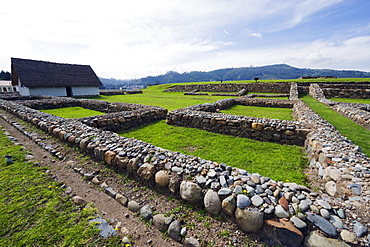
point(348, 54)
point(256, 35)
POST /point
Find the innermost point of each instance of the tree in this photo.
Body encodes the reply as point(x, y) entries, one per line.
point(5, 75)
point(256, 78)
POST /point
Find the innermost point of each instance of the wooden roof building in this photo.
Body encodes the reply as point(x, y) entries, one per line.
point(56, 79)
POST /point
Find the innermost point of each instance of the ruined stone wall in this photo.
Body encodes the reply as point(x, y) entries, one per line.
point(277, 103)
point(254, 95)
point(359, 113)
point(340, 169)
point(352, 93)
point(205, 117)
point(126, 119)
point(294, 93)
point(119, 116)
point(233, 87)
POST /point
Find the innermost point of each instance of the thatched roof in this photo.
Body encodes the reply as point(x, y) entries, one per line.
point(33, 73)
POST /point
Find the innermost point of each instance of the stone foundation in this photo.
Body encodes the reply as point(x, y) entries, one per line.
point(205, 117)
point(233, 87)
point(359, 113)
point(119, 116)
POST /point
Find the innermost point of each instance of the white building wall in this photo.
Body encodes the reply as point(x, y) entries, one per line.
point(24, 91)
point(58, 91)
point(82, 91)
point(49, 91)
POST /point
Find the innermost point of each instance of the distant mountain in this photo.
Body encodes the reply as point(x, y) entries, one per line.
point(270, 72)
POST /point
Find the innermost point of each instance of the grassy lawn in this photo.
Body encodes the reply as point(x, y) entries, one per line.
point(260, 112)
point(280, 162)
point(32, 210)
point(73, 112)
point(346, 100)
point(155, 96)
point(359, 135)
point(349, 80)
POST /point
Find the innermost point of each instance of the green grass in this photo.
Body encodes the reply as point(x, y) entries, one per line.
point(280, 162)
point(73, 112)
point(349, 80)
point(33, 212)
point(346, 100)
point(359, 135)
point(260, 112)
point(155, 96)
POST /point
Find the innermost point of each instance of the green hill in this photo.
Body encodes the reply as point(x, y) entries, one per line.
point(270, 72)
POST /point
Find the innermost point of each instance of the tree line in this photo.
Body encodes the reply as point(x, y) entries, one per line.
point(5, 75)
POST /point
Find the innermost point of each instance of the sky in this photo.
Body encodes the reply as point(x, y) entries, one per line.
point(134, 39)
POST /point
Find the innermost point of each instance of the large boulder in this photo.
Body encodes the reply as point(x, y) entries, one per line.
point(315, 239)
point(249, 220)
point(121, 162)
point(212, 202)
point(109, 157)
point(146, 172)
point(191, 192)
point(229, 205)
point(132, 165)
point(323, 224)
point(283, 232)
point(174, 184)
point(162, 178)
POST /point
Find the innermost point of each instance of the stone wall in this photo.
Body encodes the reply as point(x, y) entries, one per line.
point(119, 116)
point(240, 93)
point(359, 113)
point(111, 92)
point(337, 86)
point(341, 170)
point(254, 95)
point(340, 89)
point(276, 103)
point(206, 117)
point(294, 93)
point(354, 92)
point(233, 87)
point(349, 90)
